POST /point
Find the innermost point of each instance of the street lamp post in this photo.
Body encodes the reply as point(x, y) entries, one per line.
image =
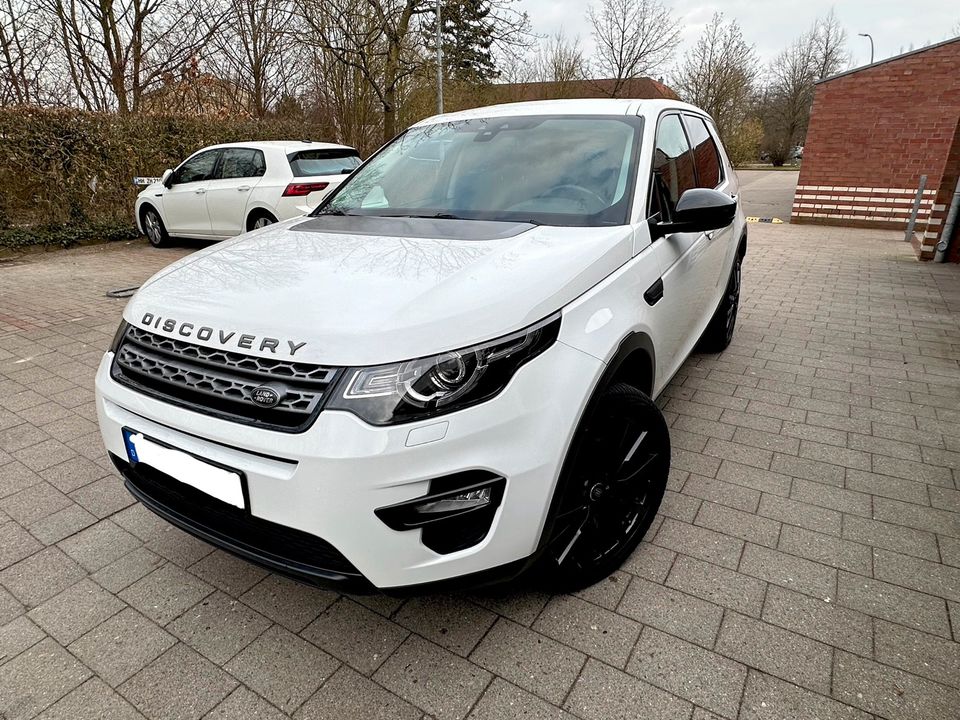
point(439, 62)
point(866, 35)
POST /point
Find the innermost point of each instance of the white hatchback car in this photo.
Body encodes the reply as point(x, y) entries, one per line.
point(448, 371)
point(224, 190)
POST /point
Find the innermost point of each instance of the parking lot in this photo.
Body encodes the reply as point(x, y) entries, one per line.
point(805, 563)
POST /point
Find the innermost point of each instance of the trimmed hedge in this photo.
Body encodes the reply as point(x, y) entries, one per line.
point(65, 235)
point(66, 176)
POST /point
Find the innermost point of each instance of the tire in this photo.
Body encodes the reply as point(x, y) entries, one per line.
point(153, 227)
point(260, 219)
point(611, 487)
point(719, 332)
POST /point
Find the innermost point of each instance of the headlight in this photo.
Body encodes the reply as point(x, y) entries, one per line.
point(118, 336)
point(416, 389)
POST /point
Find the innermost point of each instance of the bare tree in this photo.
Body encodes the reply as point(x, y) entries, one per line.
point(383, 40)
point(258, 52)
point(24, 53)
point(633, 38)
point(377, 38)
point(718, 74)
point(560, 60)
point(114, 51)
point(786, 101)
point(339, 96)
point(829, 51)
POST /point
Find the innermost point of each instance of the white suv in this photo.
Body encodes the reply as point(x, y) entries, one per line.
point(448, 370)
point(224, 190)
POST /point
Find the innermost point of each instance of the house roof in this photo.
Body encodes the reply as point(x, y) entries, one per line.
point(894, 58)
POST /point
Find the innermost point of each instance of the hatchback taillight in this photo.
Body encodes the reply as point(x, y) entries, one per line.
point(301, 189)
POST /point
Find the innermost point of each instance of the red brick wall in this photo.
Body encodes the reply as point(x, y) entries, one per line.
point(873, 133)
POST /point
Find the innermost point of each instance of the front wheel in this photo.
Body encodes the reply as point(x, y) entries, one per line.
point(154, 229)
point(611, 487)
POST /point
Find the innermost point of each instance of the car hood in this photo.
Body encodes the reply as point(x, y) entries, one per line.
point(344, 291)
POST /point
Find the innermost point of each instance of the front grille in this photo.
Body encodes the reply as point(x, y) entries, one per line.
point(278, 547)
point(220, 382)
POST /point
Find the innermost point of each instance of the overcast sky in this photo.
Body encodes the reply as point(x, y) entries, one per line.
point(772, 24)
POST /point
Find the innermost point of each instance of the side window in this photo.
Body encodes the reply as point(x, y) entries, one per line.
point(705, 153)
point(242, 163)
point(673, 167)
point(197, 168)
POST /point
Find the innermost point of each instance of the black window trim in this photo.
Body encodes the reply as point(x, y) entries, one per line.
point(653, 155)
point(716, 142)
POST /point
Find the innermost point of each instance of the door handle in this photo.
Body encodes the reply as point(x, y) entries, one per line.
point(200, 191)
point(654, 293)
point(243, 188)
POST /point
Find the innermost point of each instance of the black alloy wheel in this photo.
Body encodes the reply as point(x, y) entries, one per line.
point(617, 473)
point(732, 300)
point(719, 332)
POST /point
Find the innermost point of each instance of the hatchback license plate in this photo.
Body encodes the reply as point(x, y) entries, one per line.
point(221, 483)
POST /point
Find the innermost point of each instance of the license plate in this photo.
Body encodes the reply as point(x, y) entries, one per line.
point(221, 483)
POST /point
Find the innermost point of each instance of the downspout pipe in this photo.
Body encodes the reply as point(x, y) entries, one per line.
point(943, 247)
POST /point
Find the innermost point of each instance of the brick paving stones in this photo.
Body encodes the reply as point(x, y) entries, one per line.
point(806, 564)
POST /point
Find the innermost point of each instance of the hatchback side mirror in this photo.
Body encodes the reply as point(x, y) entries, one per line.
point(165, 178)
point(698, 210)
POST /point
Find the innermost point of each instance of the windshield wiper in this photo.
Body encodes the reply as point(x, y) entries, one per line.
point(435, 216)
point(335, 212)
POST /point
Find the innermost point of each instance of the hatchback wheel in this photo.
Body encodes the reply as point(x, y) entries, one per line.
point(612, 486)
point(154, 229)
point(262, 220)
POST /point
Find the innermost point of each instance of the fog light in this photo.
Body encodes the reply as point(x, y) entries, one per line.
point(464, 501)
point(456, 513)
point(470, 493)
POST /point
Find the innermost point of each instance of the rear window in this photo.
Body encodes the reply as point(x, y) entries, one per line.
point(307, 163)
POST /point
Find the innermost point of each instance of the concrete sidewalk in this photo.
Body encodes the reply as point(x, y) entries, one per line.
point(805, 564)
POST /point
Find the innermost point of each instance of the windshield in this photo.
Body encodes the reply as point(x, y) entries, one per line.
point(550, 170)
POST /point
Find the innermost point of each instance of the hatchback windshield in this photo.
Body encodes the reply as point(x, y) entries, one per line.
point(550, 170)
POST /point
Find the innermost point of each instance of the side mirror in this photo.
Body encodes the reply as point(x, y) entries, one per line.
point(165, 178)
point(698, 210)
point(346, 171)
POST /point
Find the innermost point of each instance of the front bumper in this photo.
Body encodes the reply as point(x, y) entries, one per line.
point(327, 481)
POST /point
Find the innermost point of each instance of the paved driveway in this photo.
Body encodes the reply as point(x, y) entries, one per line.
point(806, 563)
point(768, 193)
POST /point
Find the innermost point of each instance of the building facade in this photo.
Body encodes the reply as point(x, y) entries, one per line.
point(873, 133)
